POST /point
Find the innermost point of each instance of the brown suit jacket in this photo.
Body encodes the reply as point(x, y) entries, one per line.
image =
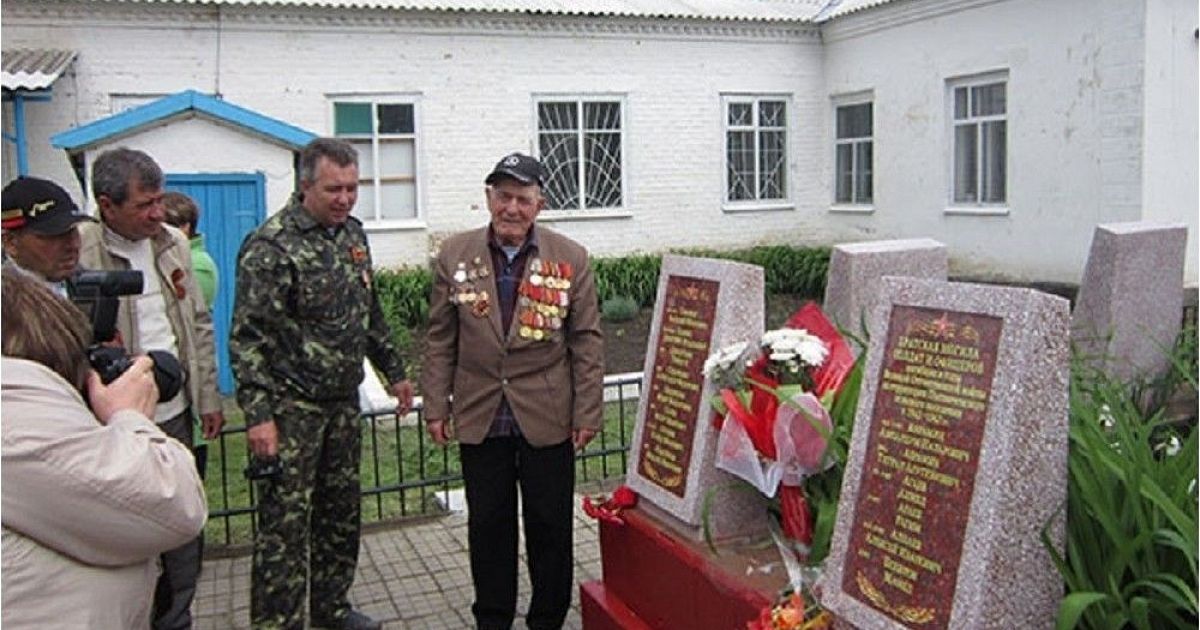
point(553, 384)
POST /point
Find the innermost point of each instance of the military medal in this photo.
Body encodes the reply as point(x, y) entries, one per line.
point(481, 307)
point(543, 299)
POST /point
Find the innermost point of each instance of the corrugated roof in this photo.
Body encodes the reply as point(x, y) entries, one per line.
point(748, 10)
point(838, 8)
point(33, 69)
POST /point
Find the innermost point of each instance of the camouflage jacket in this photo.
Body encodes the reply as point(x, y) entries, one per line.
point(306, 314)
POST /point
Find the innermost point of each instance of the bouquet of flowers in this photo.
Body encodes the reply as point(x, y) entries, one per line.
point(773, 403)
point(792, 612)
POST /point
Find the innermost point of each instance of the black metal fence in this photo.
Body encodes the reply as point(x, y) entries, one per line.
point(404, 474)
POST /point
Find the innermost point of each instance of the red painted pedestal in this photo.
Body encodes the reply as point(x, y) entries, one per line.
point(654, 578)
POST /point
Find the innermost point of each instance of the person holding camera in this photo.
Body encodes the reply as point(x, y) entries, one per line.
point(306, 314)
point(40, 237)
point(91, 497)
point(168, 315)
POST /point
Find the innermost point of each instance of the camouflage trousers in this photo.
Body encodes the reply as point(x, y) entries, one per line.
point(308, 516)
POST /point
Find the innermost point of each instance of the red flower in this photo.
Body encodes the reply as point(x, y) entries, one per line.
point(610, 510)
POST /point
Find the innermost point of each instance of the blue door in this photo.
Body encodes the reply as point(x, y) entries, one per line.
point(231, 205)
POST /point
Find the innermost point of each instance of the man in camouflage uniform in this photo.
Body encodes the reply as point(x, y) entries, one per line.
point(306, 314)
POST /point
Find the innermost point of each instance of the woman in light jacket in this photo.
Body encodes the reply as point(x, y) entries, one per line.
point(91, 496)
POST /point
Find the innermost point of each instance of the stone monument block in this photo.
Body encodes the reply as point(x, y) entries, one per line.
point(702, 305)
point(855, 269)
point(1129, 308)
point(957, 462)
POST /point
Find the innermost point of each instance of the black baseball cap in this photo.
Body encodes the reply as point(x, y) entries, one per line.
point(521, 167)
point(39, 205)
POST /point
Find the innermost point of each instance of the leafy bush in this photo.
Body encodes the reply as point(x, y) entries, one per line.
point(792, 270)
point(404, 298)
point(619, 309)
point(634, 277)
point(1131, 513)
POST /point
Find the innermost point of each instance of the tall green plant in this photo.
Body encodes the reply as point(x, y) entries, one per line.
point(824, 489)
point(404, 295)
point(1131, 512)
point(786, 269)
point(634, 277)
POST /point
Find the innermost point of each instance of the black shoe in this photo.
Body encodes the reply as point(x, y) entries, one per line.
point(353, 620)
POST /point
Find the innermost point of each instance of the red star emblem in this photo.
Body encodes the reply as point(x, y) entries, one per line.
point(942, 325)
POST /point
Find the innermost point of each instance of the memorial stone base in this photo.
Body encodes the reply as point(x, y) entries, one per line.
point(656, 578)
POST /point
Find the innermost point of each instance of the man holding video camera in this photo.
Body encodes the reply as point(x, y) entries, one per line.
point(168, 315)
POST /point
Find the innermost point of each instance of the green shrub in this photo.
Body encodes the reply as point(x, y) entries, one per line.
point(619, 309)
point(634, 277)
point(404, 298)
point(1131, 513)
point(793, 270)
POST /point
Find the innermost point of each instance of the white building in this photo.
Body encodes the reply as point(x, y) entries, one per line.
point(1005, 128)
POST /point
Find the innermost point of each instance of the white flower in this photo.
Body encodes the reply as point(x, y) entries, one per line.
point(788, 343)
point(1106, 418)
point(724, 359)
point(1171, 447)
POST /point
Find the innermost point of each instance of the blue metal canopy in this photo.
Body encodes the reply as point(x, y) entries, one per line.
point(186, 104)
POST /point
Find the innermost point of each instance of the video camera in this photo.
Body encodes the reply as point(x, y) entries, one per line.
point(95, 293)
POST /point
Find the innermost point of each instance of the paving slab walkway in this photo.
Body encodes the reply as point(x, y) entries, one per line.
point(413, 575)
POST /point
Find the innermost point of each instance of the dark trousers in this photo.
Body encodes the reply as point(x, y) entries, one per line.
point(180, 566)
point(308, 517)
point(493, 471)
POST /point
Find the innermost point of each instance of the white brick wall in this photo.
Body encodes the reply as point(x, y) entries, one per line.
point(1074, 136)
point(1075, 109)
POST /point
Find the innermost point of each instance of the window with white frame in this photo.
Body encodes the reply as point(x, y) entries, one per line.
point(853, 154)
point(755, 148)
point(384, 132)
point(580, 141)
point(980, 121)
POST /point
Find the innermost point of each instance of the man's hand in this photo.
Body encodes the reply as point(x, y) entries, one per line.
point(403, 391)
point(438, 431)
point(263, 439)
point(135, 389)
point(211, 423)
point(581, 437)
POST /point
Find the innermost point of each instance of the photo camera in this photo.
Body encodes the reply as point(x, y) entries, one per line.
point(96, 293)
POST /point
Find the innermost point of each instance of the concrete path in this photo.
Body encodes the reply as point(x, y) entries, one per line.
point(409, 576)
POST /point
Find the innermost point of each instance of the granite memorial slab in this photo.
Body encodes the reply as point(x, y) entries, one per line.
point(1129, 307)
point(701, 306)
point(958, 461)
point(855, 269)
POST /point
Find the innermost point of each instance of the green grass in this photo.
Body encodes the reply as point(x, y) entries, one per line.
point(391, 457)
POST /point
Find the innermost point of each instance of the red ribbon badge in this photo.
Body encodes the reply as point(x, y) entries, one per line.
point(177, 281)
